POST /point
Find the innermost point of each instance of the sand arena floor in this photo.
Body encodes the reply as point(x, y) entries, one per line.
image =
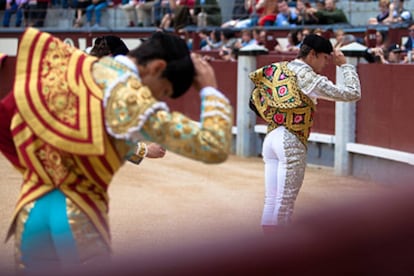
point(169, 202)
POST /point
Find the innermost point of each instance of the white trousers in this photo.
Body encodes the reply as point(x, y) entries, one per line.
point(285, 162)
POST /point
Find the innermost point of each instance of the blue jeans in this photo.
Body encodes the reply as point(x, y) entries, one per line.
point(98, 12)
point(159, 11)
point(8, 13)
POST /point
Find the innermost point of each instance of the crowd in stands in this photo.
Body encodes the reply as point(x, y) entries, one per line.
point(391, 12)
point(246, 27)
point(380, 50)
point(178, 14)
point(31, 12)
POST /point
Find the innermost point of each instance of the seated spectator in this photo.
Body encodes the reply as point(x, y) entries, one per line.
point(254, 9)
point(320, 5)
point(13, 7)
point(181, 13)
point(30, 12)
point(286, 16)
point(139, 12)
point(228, 38)
point(269, 14)
point(398, 14)
point(144, 10)
point(384, 7)
point(167, 18)
point(185, 35)
point(80, 10)
point(161, 8)
point(331, 14)
point(239, 10)
point(391, 55)
point(376, 47)
point(213, 41)
point(262, 13)
point(211, 9)
point(293, 43)
point(259, 34)
point(408, 45)
point(228, 45)
point(339, 37)
point(203, 35)
point(342, 38)
point(394, 55)
point(35, 12)
point(128, 6)
point(96, 7)
point(246, 39)
point(306, 13)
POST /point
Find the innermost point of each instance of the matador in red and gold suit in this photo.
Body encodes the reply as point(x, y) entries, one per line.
point(69, 125)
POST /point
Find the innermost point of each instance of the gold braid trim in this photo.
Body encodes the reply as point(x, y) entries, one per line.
point(128, 104)
point(56, 95)
point(278, 99)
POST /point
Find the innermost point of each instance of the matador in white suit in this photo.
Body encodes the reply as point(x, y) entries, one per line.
point(285, 96)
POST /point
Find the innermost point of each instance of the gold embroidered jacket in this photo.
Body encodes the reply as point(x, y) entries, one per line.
point(78, 119)
point(278, 99)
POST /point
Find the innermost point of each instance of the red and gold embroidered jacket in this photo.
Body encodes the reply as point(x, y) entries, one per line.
point(74, 120)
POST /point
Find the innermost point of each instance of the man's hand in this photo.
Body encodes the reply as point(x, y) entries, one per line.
point(155, 151)
point(204, 73)
point(339, 57)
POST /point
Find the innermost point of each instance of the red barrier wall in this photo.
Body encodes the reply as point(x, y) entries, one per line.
point(7, 75)
point(385, 112)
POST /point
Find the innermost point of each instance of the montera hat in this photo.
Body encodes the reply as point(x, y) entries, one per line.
point(318, 43)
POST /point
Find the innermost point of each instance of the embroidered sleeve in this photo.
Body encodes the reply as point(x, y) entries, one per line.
point(321, 87)
point(208, 140)
point(128, 105)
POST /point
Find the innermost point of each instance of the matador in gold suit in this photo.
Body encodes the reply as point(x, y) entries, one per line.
point(72, 121)
point(285, 96)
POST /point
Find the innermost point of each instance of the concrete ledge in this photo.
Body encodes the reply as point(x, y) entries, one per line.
point(395, 155)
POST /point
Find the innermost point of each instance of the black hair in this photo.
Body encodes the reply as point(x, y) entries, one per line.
point(228, 33)
point(100, 48)
point(294, 36)
point(216, 34)
point(171, 48)
point(304, 51)
point(318, 43)
point(108, 45)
